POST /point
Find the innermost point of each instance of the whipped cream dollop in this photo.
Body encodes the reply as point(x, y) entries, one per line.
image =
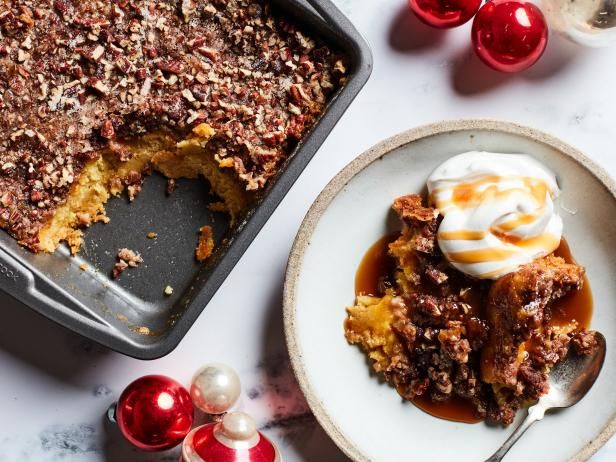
point(498, 212)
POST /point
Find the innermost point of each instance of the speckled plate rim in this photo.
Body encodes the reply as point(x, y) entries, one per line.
point(331, 191)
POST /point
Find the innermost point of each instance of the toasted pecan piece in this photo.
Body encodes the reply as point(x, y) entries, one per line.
point(410, 208)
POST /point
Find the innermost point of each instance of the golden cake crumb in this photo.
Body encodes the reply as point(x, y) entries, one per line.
point(168, 291)
point(152, 235)
point(369, 324)
point(206, 243)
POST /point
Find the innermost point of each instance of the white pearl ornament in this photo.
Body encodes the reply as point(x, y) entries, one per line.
point(238, 430)
point(215, 388)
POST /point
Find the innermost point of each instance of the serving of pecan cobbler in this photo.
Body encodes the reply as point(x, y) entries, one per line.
point(439, 334)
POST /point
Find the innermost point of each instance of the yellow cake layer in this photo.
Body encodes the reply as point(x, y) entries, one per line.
point(189, 158)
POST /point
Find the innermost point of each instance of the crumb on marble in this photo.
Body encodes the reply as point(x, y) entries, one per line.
point(101, 390)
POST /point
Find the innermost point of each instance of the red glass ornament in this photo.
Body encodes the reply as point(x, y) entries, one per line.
point(154, 413)
point(509, 35)
point(444, 13)
point(235, 439)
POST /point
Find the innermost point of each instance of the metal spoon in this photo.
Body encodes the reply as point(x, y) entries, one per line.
point(569, 381)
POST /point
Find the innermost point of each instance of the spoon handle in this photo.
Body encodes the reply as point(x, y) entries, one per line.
point(535, 413)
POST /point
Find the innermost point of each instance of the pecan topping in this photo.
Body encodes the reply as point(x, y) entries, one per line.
point(112, 71)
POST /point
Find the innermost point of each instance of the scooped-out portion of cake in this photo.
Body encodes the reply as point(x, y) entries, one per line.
point(96, 95)
point(109, 176)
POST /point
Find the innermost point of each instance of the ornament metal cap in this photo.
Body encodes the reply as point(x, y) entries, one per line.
point(234, 439)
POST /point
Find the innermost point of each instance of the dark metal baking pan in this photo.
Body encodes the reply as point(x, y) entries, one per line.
point(132, 315)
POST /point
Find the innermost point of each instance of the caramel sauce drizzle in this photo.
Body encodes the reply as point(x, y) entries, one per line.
point(481, 255)
point(462, 235)
point(543, 241)
point(485, 190)
point(491, 254)
point(520, 220)
point(473, 193)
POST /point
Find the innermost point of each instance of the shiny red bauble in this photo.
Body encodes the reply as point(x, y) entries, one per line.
point(154, 413)
point(509, 35)
point(444, 13)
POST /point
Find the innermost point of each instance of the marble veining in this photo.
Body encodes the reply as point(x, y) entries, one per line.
point(56, 387)
point(67, 441)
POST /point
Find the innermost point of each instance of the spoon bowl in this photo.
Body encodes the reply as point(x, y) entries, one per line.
point(571, 379)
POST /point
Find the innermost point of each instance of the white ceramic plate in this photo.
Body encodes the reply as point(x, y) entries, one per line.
point(366, 417)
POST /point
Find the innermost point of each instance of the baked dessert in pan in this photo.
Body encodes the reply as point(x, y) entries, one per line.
point(96, 95)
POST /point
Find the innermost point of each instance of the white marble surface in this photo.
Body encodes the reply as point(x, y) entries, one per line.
point(55, 386)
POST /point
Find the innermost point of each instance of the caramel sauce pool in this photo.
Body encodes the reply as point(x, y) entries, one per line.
point(575, 306)
point(377, 265)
